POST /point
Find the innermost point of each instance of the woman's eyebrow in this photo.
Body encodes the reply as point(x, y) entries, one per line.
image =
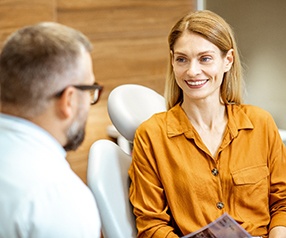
point(200, 53)
point(207, 52)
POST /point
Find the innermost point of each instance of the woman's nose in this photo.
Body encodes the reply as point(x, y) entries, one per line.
point(194, 68)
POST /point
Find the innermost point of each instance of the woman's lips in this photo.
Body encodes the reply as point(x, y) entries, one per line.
point(196, 82)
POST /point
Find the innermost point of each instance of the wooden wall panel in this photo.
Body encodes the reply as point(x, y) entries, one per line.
point(130, 37)
point(18, 13)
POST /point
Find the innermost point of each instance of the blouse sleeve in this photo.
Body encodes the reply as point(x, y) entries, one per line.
point(277, 167)
point(147, 193)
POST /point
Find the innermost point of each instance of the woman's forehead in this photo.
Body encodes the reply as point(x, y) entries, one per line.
point(194, 43)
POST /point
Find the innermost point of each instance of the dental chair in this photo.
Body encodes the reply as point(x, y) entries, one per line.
point(128, 106)
point(108, 163)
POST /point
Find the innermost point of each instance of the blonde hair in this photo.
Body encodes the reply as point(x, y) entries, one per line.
point(216, 30)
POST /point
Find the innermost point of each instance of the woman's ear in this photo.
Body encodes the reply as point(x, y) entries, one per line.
point(66, 103)
point(228, 60)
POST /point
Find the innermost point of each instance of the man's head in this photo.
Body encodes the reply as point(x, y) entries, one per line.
point(36, 63)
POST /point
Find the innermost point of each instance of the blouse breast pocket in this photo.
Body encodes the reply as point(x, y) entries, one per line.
point(251, 192)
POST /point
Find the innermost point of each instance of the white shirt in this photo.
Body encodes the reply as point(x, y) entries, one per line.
point(40, 196)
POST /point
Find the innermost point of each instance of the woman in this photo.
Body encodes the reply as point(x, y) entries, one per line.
point(208, 154)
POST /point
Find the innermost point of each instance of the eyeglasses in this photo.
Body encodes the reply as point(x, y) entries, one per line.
point(95, 91)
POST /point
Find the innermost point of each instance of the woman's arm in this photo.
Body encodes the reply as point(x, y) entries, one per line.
point(277, 199)
point(147, 194)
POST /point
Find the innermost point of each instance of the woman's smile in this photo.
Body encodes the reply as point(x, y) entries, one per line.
point(196, 83)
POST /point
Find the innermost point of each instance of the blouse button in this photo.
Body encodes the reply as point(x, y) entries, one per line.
point(214, 172)
point(220, 205)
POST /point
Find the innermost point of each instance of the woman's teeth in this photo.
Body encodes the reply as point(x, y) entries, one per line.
point(196, 83)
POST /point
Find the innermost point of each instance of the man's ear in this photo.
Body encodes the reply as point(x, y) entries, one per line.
point(228, 60)
point(66, 103)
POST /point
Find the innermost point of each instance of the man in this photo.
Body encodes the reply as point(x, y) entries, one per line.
point(46, 80)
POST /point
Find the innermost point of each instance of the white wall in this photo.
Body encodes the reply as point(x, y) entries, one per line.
point(260, 29)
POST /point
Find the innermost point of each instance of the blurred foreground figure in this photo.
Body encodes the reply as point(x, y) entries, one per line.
point(46, 80)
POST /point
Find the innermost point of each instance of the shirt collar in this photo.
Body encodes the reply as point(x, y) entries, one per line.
point(178, 122)
point(23, 126)
point(238, 119)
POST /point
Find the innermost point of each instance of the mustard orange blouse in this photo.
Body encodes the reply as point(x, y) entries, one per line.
point(177, 187)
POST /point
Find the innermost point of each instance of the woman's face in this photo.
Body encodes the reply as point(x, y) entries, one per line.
point(199, 67)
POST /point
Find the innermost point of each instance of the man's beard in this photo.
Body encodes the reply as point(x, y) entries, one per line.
point(75, 136)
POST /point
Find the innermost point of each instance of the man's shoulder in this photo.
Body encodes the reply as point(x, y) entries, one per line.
point(66, 205)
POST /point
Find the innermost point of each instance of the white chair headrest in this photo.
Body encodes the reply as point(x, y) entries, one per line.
point(131, 104)
point(283, 134)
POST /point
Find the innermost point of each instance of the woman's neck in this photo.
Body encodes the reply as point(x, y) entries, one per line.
point(205, 114)
point(209, 120)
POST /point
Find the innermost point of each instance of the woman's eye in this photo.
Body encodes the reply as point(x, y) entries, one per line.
point(180, 59)
point(206, 59)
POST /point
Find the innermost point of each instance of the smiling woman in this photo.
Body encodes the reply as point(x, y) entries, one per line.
point(212, 47)
point(208, 148)
point(199, 67)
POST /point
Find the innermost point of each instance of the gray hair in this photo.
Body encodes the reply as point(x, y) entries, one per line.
point(35, 62)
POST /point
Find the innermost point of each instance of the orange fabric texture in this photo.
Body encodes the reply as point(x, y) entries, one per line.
point(177, 187)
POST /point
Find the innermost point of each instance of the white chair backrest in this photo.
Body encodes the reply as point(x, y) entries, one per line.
point(131, 104)
point(283, 135)
point(107, 177)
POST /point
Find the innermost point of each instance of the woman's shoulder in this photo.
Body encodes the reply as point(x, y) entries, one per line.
point(162, 119)
point(156, 120)
point(253, 110)
point(254, 113)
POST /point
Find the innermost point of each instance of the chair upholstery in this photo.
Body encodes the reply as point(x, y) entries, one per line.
point(283, 135)
point(107, 177)
point(131, 104)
